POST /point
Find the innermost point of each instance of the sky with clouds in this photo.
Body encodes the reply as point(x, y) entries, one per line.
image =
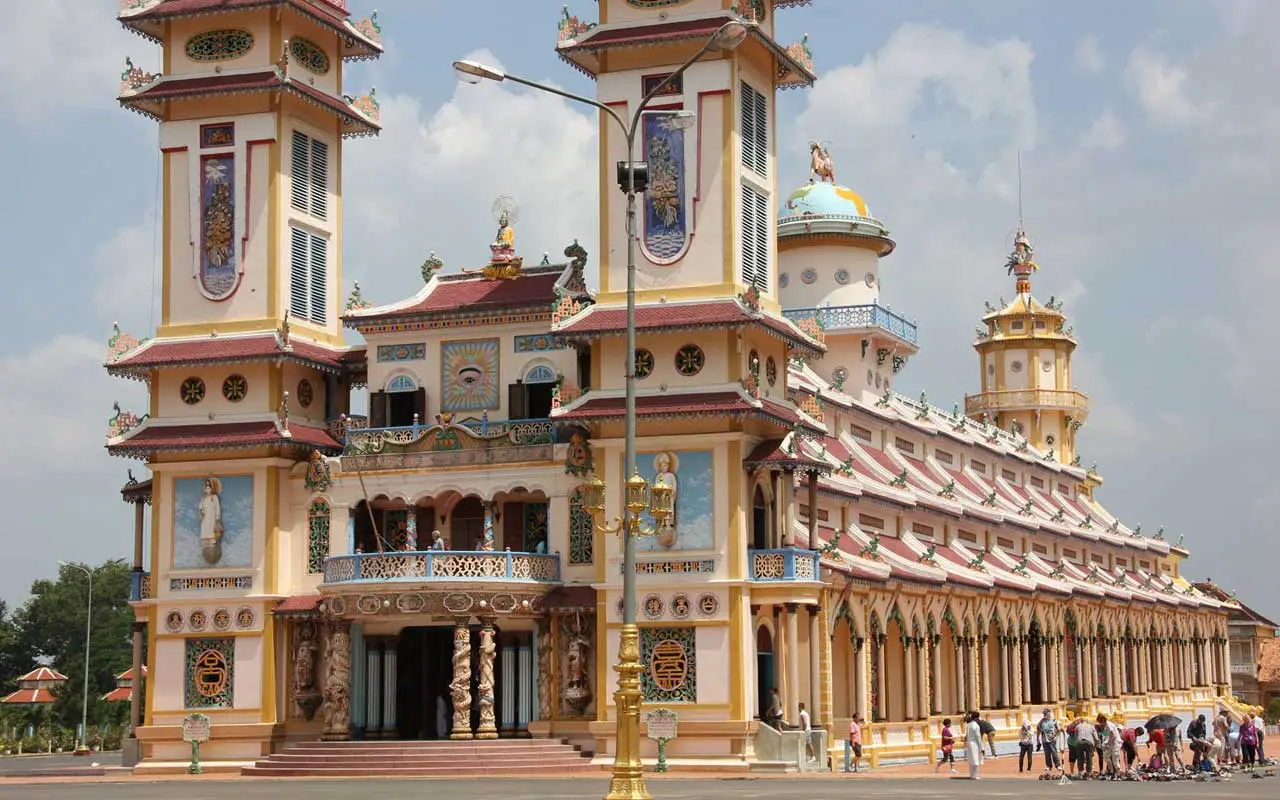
point(1150, 141)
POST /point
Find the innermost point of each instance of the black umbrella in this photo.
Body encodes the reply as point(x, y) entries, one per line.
point(1162, 722)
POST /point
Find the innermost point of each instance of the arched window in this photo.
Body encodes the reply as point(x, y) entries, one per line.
point(317, 535)
point(402, 383)
point(540, 373)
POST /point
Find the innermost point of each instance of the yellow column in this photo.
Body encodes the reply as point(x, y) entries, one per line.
point(815, 660)
point(793, 664)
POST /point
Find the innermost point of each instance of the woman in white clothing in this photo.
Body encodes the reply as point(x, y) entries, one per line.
point(973, 745)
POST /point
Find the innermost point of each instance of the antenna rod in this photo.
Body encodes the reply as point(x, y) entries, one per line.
point(1019, 188)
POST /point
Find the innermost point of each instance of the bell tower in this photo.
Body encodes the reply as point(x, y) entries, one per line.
point(252, 117)
point(705, 226)
point(1024, 353)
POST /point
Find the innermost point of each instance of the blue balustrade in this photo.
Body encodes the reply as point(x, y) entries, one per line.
point(784, 564)
point(871, 315)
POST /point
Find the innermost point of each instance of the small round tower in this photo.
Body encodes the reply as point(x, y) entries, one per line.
point(829, 251)
point(1024, 351)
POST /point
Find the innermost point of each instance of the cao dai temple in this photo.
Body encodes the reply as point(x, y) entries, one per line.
point(430, 571)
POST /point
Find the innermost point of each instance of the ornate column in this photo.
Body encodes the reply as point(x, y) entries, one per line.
point(488, 525)
point(813, 510)
point(935, 674)
point(962, 676)
point(1109, 650)
point(1045, 680)
point(460, 686)
point(542, 636)
point(389, 689)
point(909, 653)
point(373, 694)
point(984, 673)
point(855, 688)
point(815, 664)
point(1024, 652)
point(882, 700)
point(484, 690)
point(793, 663)
point(1004, 672)
point(337, 682)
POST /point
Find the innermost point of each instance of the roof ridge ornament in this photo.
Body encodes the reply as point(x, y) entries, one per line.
point(134, 78)
point(431, 266)
point(1021, 262)
point(356, 301)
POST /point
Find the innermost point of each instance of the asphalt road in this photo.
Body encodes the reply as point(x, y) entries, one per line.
point(664, 789)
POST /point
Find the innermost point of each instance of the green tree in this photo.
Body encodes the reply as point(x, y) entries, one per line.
point(51, 627)
point(13, 660)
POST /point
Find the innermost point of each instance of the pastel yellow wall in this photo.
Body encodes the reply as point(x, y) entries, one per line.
point(166, 391)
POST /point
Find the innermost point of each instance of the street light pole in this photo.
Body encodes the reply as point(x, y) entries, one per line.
point(628, 781)
point(88, 629)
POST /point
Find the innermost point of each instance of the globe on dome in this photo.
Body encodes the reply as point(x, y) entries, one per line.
point(825, 200)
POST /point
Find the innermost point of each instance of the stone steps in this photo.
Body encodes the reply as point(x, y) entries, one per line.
point(505, 757)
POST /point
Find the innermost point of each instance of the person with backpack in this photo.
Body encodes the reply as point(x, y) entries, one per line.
point(1047, 731)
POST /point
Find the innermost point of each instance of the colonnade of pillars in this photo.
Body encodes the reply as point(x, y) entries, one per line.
point(787, 619)
point(460, 685)
point(996, 672)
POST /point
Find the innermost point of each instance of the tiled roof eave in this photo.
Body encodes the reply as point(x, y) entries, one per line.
point(141, 371)
point(778, 330)
point(540, 312)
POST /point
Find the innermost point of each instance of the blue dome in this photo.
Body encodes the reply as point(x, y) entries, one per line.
point(824, 200)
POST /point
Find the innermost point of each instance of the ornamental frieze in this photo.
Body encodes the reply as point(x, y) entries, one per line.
point(442, 603)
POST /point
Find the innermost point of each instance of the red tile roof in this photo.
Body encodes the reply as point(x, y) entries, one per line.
point(148, 439)
point(168, 353)
point(298, 604)
point(43, 674)
point(137, 491)
point(173, 88)
point(29, 696)
point(468, 295)
point(776, 453)
point(330, 13)
point(730, 404)
point(599, 321)
point(120, 694)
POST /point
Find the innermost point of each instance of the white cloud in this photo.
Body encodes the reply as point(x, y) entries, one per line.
point(61, 56)
point(1160, 86)
point(127, 270)
point(1106, 133)
point(429, 181)
point(1088, 56)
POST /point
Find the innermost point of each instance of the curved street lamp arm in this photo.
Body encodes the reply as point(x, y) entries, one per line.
point(712, 43)
point(571, 96)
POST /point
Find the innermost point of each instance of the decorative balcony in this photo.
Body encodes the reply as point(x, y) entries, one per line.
point(438, 566)
point(784, 564)
point(448, 444)
point(1020, 399)
point(1244, 669)
point(847, 318)
point(139, 586)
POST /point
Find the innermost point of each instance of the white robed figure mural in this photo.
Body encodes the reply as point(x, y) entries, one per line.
point(210, 510)
point(665, 466)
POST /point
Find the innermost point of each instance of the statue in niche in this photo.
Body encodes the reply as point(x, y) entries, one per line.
point(337, 684)
point(304, 672)
point(544, 670)
point(577, 660)
point(665, 466)
point(210, 511)
point(821, 167)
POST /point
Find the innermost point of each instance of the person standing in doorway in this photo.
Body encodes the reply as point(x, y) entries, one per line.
point(973, 745)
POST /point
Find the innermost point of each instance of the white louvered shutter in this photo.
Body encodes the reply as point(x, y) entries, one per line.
point(319, 179)
point(299, 273)
point(755, 238)
point(319, 280)
point(300, 172)
point(754, 133)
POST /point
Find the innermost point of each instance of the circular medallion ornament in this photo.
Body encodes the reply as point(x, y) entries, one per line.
point(173, 621)
point(211, 673)
point(1016, 366)
point(192, 391)
point(809, 276)
point(410, 603)
point(198, 620)
point(784, 280)
point(653, 606)
point(235, 388)
point(842, 276)
point(305, 393)
point(680, 606)
point(221, 619)
point(771, 370)
point(1046, 366)
point(308, 54)
point(869, 279)
point(644, 363)
point(708, 605)
point(244, 617)
point(690, 360)
point(1049, 440)
point(839, 375)
point(669, 665)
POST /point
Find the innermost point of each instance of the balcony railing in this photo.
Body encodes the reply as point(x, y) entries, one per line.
point(466, 443)
point(1244, 669)
point(784, 564)
point(443, 565)
point(1012, 399)
point(139, 586)
point(872, 315)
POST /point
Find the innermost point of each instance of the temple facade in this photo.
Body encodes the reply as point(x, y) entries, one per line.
point(429, 570)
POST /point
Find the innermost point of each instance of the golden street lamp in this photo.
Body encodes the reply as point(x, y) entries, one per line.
point(628, 772)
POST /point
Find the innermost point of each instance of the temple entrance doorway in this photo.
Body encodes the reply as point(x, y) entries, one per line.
point(422, 691)
point(766, 680)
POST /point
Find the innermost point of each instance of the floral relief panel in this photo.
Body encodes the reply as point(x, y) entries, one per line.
point(469, 375)
point(670, 656)
point(218, 271)
point(213, 522)
point(210, 669)
point(689, 474)
point(665, 228)
point(581, 532)
point(317, 535)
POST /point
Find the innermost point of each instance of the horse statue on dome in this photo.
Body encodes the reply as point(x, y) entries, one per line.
point(821, 167)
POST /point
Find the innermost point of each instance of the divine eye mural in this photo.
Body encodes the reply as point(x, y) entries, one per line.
point(213, 522)
point(688, 473)
point(665, 217)
point(469, 375)
point(218, 272)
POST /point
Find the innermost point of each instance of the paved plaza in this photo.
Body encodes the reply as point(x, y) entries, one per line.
point(592, 789)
